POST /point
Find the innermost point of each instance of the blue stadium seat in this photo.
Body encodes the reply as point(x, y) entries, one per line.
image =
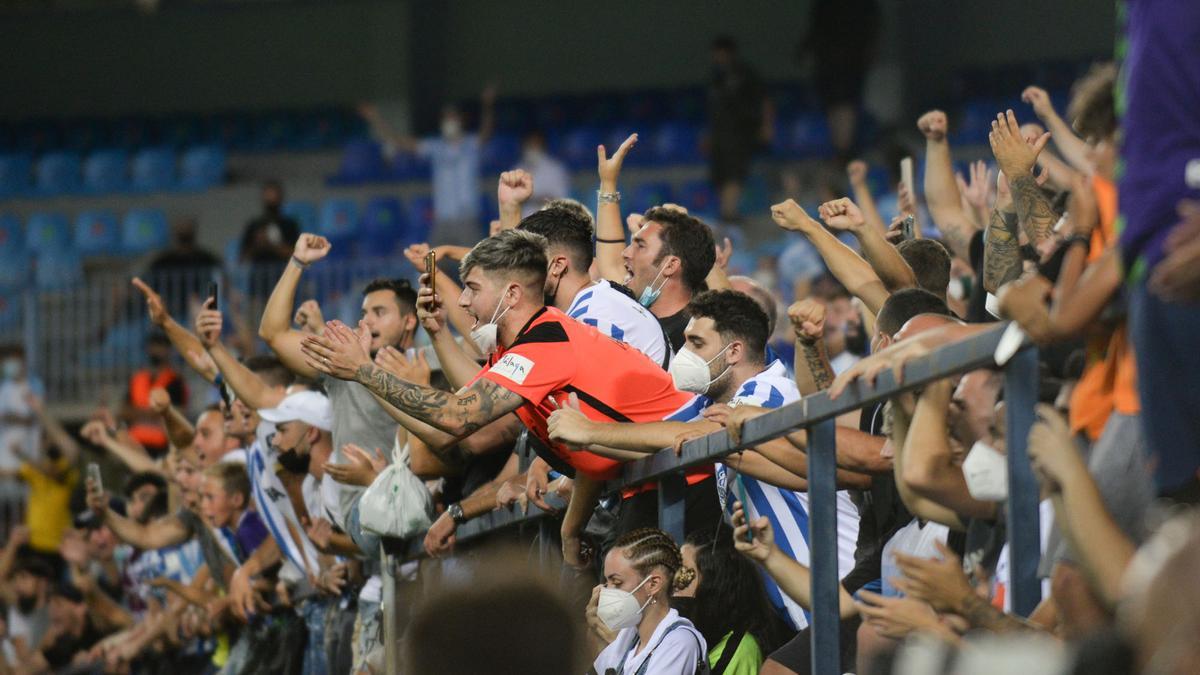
point(338, 221)
point(14, 270)
point(182, 131)
point(577, 147)
point(500, 153)
point(47, 232)
point(97, 233)
point(654, 193)
point(12, 235)
point(642, 154)
point(362, 162)
point(420, 219)
point(106, 171)
point(15, 173)
point(382, 226)
point(674, 143)
point(304, 213)
point(202, 167)
point(58, 173)
point(11, 316)
point(803, 136)
point(58, 270)
point(144, 230)
point(408, 166)
point(698, 197)
point(154, 170)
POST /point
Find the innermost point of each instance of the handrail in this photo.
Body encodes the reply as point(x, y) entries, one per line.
point(816, 414)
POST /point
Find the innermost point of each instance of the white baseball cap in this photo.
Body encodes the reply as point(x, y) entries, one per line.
point(309, 407)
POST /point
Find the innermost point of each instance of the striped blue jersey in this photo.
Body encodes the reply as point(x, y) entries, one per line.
point(786, 509)
point(274, 505)
point(619, 316)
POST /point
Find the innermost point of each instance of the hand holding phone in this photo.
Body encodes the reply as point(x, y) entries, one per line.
point(907, 227)
point(93, 474)
point(213, 292)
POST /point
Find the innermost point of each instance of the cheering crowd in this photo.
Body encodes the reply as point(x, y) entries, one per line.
point(527, 368)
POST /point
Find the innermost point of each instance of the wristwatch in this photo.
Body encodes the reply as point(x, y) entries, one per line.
point(456, 513)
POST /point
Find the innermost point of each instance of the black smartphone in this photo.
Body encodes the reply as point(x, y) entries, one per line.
point(431, 267)
point(212, 293)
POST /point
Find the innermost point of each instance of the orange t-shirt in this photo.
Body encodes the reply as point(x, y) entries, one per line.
point(1109, 382)
point(555, 356)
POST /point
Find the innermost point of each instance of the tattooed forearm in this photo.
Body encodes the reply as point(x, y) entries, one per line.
point(1001, 251)
point(981, 614)
point(1034, 212)
point(818, 365)
point(456, 414)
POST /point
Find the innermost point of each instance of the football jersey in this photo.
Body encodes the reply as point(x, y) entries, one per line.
point(554, 356)
point(612, 310)
point(786, 509)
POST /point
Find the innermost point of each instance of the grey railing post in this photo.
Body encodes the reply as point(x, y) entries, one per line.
point(672, 490)
point(390, 609)
point(822, 546)
point(1024, 541)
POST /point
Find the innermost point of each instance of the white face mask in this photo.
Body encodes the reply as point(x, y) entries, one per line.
point(689, 371)
point(485, 336)
point(11, 369)
point(618, 609)
point(451, 127)
point(986, 471)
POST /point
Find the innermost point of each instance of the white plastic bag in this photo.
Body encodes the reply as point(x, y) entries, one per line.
point(397, 504)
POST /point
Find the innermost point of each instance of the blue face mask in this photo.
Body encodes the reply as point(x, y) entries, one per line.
point(650, 293)
point(11, 369)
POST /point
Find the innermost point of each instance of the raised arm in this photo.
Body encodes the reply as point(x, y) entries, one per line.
point(856, 171)
point(941, 191)
point(1072, 147)
point(185, 343)
point(55, 433)
point(885, 260)
point(918, 505)
point(1016, 158)
point(852, 271)
point(135, 459)
point(159, 533)
point(276, 328)
point(929, 468)
point(610, 230)
point(381, 129)
point(246, 385)
point(445, 288)
point(514, 189)
point(458, 361)
point(180, 431)
point(813, 371)
point(1002, 241)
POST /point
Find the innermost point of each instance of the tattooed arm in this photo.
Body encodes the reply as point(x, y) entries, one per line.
point(1034, 213)
point(459, 415)
point(1001, 251)
point(813, 372)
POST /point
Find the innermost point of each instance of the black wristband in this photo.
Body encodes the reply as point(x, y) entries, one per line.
point(610, 241)
point(1078, 239)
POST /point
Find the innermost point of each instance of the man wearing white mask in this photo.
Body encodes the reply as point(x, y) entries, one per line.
point(723, 363)
point(539, 359)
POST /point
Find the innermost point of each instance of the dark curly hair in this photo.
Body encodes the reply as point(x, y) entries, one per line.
point(735, 316)
point(686, 237)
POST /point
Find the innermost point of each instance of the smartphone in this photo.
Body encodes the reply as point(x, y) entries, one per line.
point(93, 473)
point(906, 227)
point(213, 293)
point(906, 176)
point(741, 487)
point(431, 267)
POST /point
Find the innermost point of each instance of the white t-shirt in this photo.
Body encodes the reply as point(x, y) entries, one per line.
point(669, 652)
point(620, 317)
point(28, 437)
point(913, 540)
point(550, 181)
point(455, 176)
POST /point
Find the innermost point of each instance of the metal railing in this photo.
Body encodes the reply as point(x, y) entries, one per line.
point(84, 337)
point(817, 414)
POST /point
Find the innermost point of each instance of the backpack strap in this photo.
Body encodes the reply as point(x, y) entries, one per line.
point(731, 647)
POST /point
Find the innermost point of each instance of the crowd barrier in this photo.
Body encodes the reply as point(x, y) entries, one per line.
point(817, 415)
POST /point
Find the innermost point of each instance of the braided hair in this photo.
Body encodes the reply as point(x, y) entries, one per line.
point(649, 547)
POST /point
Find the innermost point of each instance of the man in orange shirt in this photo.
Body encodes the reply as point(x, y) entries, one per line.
point(145, 425)
point(539, 359)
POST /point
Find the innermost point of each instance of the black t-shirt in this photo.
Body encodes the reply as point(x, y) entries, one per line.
point(66, 646)
point(977, 305)
point(264, 233)
point(881, 513)
point(673, 326)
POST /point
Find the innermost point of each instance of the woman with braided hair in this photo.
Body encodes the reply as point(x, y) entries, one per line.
point(632, 611)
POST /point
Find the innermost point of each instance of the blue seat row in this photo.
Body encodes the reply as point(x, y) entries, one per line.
point(112, 171)
point(90, 233)
point(267, 131)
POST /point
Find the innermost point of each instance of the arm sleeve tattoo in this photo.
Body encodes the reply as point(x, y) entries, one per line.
point(818, 364)
point(1034, 212)
point(459, 414)
point(981, 614)
point(1001, 251)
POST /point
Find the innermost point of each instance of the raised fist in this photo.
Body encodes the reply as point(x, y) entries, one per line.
point(808, 319)
point(933, 125)
point(311, 248)
point(515, 188)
